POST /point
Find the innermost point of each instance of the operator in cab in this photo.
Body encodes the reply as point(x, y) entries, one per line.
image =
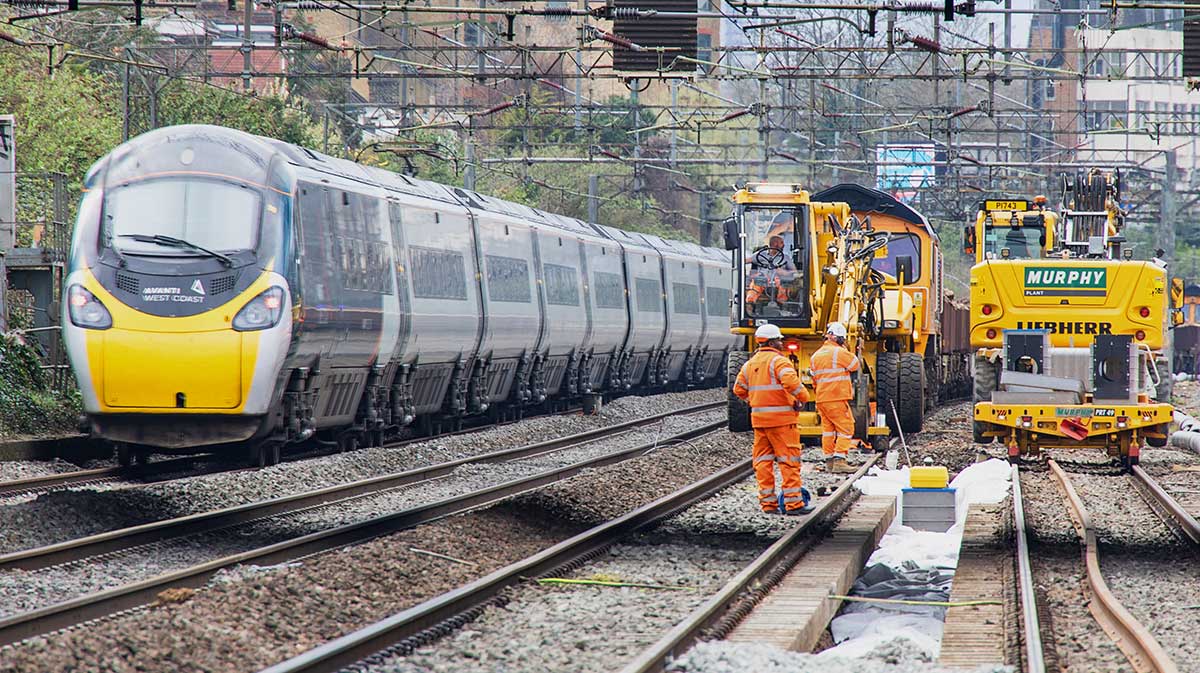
point(770, 268)
point(769, 382)
point(831, 368)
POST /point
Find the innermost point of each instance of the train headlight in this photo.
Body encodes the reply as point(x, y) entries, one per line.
point(85, 309)
point(262, 312)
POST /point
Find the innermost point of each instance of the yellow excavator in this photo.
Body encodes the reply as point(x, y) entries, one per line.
point(1067, 328)
point(801, 264)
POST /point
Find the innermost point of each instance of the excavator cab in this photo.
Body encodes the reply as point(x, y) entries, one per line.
point(775, 264)
point(1011, 229)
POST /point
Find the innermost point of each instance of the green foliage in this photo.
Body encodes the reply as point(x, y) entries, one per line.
point(63, 124)
point(184, 102)
point(27, 404)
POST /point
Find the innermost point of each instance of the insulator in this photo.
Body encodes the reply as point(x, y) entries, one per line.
point(493, 110)
point(13, 39)
point(556, 11)
point(925, 43)
point(619, 41)
point(919, 7)
point(966, 110)
point(315, 39)
point(733, 115)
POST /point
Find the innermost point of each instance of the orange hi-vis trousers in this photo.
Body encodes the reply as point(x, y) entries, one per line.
point(779, 444)
point(837, 427)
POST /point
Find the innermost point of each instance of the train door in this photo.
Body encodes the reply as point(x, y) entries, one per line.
point(567, 317)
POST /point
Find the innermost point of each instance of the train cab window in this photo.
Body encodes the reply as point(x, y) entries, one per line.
point(649, 295)
point(562, 284)
point(608, 289)
point(1025, 242)
point(900, 245)
point(776, 262)
point(687, 298)
point(214, 214)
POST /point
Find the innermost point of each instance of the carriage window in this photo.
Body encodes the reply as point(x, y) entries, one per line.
point(649, 295)
point(716, 301)
point(508, 279)
point(687, 298)
point(438, 274)
point(562, 285)
point(609, 290)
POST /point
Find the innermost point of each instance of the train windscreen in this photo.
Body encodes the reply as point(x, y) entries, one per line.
point(211, 214)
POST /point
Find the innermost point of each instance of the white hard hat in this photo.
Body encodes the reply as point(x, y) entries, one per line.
point(837, 329)
point(768, 332)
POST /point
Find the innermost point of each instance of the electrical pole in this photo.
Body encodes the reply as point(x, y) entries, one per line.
point(247, 44)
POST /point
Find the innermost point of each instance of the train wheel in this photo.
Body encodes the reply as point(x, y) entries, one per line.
point(739, 410)
point(887, 385)
point(124, 454)
point(911, 401)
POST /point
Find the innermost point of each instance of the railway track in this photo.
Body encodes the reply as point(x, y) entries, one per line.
point(154, 471)
point(422, 624)
point(1134, 640)
point(92, 606)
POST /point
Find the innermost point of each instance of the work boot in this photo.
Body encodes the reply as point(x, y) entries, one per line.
point(838, 465)
point(801, 511)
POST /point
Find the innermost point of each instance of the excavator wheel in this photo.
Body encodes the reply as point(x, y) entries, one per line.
point(739, 410)
point(911, 401)
point(887, 385)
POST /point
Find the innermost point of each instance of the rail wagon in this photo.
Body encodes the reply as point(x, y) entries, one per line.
point(236, 293)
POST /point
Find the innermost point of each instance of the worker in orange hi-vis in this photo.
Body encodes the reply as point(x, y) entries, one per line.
point(831, 367)
point(769, 382)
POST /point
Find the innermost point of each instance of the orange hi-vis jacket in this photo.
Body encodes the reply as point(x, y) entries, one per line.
point(770, 383)
point(831, 367)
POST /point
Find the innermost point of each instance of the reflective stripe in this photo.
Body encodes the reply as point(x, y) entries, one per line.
point(760, 410)
point(797, 391)
point(764, 459)
point(766, 491)
point(835, 370)
point(787, 371)
point(853, 363)
point(830, 432)
point(767, 387)
point(835, 354)
point(843, 377)
point(787, 459)
point(794, 498)
point(789, 491)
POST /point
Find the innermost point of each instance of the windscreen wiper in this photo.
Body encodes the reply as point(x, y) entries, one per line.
point(172, 242)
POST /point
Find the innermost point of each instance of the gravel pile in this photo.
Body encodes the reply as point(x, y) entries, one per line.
point(1187, 397)
point(946, 437)
point(1163, 593)
point(22, 591)
point(583, 628)
point(64, 515)
point(725, 657)
point(249, 618)
point(14, 470)
point(598, 495)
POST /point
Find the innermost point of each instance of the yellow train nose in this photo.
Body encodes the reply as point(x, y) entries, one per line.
point(156, 370)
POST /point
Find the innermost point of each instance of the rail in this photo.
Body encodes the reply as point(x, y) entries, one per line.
point(1167, 507)
point(404, 629)
point(94, 606)
point(1145, 654)
point(757, 577)
point(127, 538)
point(1035, 661)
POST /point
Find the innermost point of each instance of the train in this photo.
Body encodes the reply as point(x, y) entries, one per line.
point(229, 292)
